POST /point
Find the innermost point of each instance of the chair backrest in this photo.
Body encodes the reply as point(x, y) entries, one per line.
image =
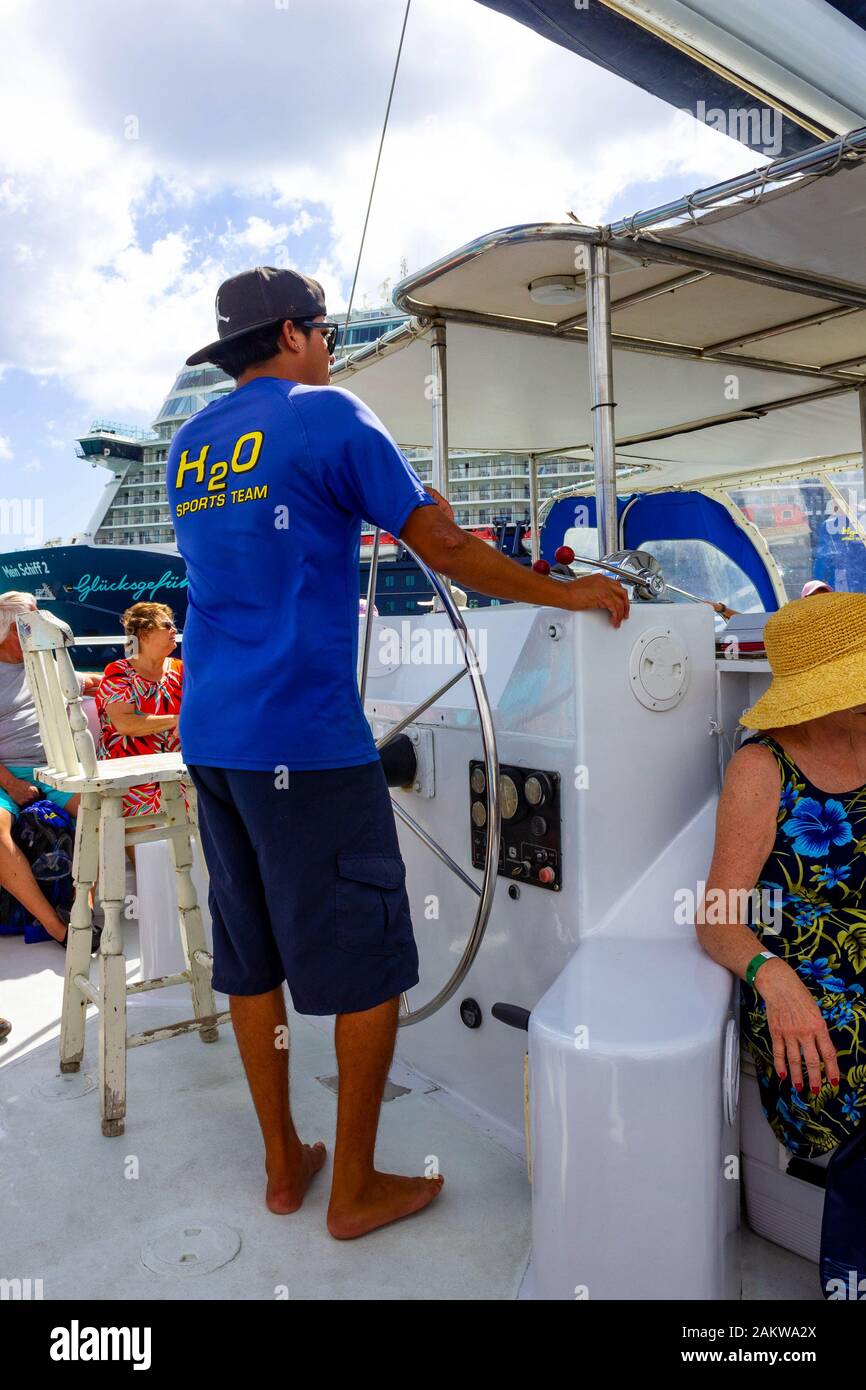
point(66, 737)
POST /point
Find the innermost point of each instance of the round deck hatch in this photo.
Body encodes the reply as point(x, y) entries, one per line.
point(658, 669)
point(191, 1248)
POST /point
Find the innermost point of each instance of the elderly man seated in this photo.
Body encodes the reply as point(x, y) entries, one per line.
point(20, 752)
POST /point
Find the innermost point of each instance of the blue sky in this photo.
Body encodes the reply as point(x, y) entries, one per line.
point(151, 149)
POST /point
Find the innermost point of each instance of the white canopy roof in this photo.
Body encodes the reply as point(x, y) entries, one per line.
point(739, 335)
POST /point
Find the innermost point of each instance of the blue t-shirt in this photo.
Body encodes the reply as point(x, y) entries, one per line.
point(267, 488)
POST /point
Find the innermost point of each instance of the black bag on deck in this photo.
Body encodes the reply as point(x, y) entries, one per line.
point(45, 834)
point(843, 1230)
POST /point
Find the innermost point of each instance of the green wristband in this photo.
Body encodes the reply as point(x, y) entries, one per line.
point(755, 964)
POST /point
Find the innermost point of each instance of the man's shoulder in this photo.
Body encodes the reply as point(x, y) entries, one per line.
point(192, 426)
point(324, 402)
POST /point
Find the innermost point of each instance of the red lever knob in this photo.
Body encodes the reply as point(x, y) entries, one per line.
point(564, 555)
point(541, 566)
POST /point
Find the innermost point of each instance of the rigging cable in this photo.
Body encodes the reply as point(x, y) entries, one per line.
point(376, 172)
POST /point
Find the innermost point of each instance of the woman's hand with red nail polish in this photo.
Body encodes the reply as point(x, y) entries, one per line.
point(797, 1027)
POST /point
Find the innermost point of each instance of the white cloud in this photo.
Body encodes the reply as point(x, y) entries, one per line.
point(259, 235)
point(5, 449)
point(490, 125)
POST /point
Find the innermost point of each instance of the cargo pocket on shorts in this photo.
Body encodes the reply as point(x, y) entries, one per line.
point(372, 914)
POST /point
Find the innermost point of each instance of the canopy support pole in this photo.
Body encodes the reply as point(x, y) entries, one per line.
point(535, 538)
point(439, 384)
point(440, 408)
point(861, 397)
point(601, 394)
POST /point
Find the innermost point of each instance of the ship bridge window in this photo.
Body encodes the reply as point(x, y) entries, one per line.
point(180, 405)
point(810, 532)
point(704, 571)
point(207, 376)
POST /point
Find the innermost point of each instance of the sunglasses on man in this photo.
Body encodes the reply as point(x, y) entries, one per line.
point(328, 330)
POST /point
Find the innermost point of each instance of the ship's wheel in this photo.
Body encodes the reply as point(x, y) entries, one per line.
point(485, 891)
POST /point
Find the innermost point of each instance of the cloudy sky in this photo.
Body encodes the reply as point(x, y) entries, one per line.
point(152, 148)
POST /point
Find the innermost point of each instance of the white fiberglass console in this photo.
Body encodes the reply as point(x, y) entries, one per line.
point(632, 1041)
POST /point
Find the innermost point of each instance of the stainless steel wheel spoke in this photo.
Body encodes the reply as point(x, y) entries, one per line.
point(431, 844)
point(419, 709)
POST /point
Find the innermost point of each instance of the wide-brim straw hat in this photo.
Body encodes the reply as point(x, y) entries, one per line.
point(817, 652)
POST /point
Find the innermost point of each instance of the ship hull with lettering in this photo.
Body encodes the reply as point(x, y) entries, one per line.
point(90, 586)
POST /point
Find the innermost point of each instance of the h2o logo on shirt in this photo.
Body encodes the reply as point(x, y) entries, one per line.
point(245, 456)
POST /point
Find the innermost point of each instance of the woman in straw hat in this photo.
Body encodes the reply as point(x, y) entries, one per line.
point(792, 825)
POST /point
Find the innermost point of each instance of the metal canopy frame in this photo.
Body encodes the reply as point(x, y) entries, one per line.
point(593, 248)
point(632, 238)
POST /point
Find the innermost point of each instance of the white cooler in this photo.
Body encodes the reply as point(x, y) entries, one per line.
point(779, 1206)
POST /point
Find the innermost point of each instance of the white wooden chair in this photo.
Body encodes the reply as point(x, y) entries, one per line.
point(101, 836)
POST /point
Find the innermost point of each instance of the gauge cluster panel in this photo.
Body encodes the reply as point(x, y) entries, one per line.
point(530, 850)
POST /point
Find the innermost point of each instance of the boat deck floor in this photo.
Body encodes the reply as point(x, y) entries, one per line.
point(175, 1208)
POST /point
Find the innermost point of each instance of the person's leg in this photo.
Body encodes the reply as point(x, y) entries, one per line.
point(246, 959)
point(17, 877)
point(363, 1199)
point(334, 887)
point(261, 1030)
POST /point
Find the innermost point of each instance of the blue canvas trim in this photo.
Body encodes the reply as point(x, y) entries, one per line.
point(668, 516)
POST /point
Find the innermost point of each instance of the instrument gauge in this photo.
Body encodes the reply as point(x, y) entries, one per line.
point(478, 782)
point(510, 796)
point(537, 789)
point(479, 813)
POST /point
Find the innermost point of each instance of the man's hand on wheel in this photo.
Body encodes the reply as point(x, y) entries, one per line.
point(596, 591)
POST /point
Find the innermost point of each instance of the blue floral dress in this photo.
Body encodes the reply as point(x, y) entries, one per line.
point(815, 880)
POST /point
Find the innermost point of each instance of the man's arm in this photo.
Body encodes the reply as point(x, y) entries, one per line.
point(445, 547)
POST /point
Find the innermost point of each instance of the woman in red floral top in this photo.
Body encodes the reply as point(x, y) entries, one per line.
point(138, 699)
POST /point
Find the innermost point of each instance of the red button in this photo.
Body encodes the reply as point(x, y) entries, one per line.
point(546, 875)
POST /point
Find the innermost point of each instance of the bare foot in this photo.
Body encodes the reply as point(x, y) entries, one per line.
point(388, 1197)
point(286, 1192)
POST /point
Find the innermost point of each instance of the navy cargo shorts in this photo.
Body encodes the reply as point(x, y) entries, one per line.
point(307, 885)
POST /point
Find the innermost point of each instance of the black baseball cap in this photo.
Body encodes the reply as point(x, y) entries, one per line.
point(259, 297)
